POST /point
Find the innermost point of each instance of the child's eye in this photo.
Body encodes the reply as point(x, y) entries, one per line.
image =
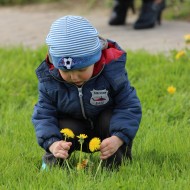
point(81, 70)
point(65, 71)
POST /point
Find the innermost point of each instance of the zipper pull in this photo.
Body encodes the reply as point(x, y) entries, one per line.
point(80, 92)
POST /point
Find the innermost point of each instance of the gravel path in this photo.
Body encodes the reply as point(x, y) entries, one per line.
point(29, 26)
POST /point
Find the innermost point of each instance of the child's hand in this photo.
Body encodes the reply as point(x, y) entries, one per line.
point(60, 149)
point(109, 146)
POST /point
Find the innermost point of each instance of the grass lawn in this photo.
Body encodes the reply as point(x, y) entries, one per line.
point(161, 151)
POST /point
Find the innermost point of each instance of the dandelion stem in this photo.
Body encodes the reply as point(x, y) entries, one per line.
point(98, 168)
point(67, 160)
point(80, 157)
point(68, 166)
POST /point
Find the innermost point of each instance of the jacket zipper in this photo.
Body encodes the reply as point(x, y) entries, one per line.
point(82, 107)
point(81, 102)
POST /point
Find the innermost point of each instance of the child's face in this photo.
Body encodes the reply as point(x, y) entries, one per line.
point(78, 77)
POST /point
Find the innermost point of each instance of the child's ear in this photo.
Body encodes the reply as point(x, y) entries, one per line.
point(103, 42)
point(50, 59)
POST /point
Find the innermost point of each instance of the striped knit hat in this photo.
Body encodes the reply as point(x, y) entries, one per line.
point(73, 43)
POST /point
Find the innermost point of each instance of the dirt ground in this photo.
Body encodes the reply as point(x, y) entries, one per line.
point(29, 25)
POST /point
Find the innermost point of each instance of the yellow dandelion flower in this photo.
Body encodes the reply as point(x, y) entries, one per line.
point(180, 54)
point(82, 136)
point(81, 141)
point(171, 90)
point(94, 144)
point(68, 133)
point(187, 38)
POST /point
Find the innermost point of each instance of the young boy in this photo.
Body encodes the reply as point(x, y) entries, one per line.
point(83, 86)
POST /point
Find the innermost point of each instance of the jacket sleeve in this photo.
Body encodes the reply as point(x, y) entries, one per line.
point(127, 111)
point(45, 120)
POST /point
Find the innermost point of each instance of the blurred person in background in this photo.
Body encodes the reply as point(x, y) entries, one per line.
point(150, 13)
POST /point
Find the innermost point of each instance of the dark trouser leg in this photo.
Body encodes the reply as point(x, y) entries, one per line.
point(78, 127)
point(119, 11)
point(124, 152)
point(150, 14)
point(146, 1)
point(101, 130)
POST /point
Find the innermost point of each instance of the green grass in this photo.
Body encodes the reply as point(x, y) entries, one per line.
point(161, 152)
point(177, 10)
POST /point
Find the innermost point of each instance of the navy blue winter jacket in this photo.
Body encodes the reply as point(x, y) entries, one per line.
point(109, 87)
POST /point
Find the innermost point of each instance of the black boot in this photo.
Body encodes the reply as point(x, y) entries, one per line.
point(120, 10)
point(150, 14)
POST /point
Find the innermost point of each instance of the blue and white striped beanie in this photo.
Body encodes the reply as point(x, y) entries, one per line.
point(73, 43)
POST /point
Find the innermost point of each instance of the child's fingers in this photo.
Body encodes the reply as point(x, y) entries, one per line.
point(104, 144)
point(105, 155)
point(61, 154)
point(107, 151)
point(65, 145)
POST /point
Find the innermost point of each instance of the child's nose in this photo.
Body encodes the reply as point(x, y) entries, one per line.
point(73, 76)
